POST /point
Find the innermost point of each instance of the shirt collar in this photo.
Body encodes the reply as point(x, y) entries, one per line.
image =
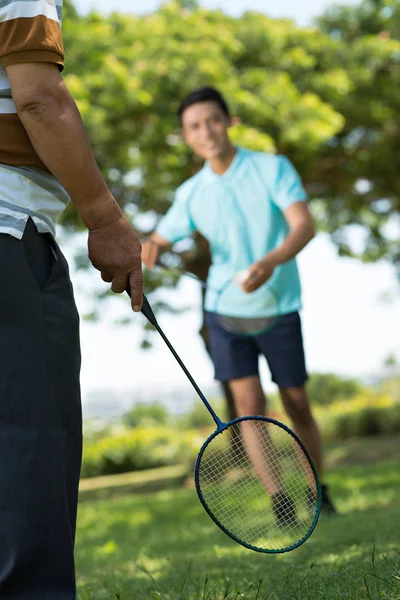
point(230, 172)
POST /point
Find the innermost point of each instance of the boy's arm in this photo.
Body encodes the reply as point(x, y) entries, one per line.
point(152, 247)
point(177, 224)
point(301, 232)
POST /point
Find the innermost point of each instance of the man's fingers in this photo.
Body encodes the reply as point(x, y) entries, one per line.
point(119, 284)
point(115, 250)
point(107, 277)
point(136, 285)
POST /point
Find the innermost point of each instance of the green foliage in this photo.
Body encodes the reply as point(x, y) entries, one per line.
point(326, 98)
point(139, 449)
point(198, 417)
point(391, 386)
point(142, 415)
point(372, 17)
point(164, 546)
point(363, 415)
point(326, 388)
point(148, 446)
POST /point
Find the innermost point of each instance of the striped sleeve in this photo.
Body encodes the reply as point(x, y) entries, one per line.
point(30, 32)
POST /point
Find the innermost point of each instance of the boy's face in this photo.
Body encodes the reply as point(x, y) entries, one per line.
point(205, 129)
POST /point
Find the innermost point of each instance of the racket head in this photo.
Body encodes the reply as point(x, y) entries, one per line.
point(239, 503)
point(247, 326)
point(232, 301)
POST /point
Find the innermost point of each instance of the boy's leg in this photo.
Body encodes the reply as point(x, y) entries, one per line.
point(250, 401)
point(297, 405)
point(235, 359)
point(283, 349)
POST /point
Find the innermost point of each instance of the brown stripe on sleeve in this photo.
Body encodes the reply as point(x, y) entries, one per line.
point(36, 39)
point(16, 149)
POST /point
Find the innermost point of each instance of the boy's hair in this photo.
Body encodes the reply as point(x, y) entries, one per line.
point(204, 94)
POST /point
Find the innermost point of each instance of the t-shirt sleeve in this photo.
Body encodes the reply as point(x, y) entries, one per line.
point(177, 224)
point(288, 185)
point(31, 32)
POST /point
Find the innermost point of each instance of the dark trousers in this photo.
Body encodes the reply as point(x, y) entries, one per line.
point(40, 420)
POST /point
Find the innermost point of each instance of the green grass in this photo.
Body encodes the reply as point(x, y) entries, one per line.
point(163, 546)
point(110, 486)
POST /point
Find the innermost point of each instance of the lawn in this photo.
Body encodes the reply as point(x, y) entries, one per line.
point(163, 546)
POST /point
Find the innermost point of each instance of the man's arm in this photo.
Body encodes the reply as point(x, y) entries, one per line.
point(302, 231)
point(54, 126)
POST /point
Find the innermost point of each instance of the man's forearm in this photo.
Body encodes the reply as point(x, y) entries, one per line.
point(56, 131)
point(297, 239)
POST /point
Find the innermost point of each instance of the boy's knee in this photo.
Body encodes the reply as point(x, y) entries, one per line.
point(296, 403)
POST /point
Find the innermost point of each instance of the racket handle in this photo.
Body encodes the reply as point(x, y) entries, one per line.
point(148, 311)
point(146, 308)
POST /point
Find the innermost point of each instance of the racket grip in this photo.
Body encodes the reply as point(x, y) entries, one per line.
point(146, 308)
point(148, 311)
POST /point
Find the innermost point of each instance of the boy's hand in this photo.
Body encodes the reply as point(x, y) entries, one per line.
point(259, 273)
point(150, 253)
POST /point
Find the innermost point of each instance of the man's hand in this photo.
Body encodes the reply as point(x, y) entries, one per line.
point(54, 126)
point(115, 250)
point(259, 273)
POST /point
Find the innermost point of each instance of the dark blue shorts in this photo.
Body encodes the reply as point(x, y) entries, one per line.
point(236, 356)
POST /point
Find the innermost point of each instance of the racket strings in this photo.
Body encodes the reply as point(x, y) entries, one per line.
point(236, 494)
point(247, 325)
point(234, 483)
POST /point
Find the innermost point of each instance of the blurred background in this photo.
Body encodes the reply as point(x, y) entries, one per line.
point(319, 83)
point(316, 82)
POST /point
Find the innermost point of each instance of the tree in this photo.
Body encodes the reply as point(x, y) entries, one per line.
point(361, 165)
point(370, 17)
point(146, 414)
point(326, 388)
point(325, 97)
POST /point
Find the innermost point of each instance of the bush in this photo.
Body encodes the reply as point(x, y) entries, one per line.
point(124, 450)
point(146, 415)
point(199, 417)
point(365, 414)
point(326, 388)
point(139, 449)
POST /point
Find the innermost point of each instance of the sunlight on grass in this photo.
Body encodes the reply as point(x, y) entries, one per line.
point(164, 546)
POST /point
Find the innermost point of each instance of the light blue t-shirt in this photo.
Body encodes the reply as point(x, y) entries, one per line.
point(240, 213)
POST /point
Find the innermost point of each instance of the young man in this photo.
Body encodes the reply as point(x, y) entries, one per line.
point(252, 209)
point(45, 159)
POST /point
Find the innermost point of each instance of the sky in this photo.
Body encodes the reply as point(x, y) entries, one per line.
point(347, 327)
point(302, 11)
